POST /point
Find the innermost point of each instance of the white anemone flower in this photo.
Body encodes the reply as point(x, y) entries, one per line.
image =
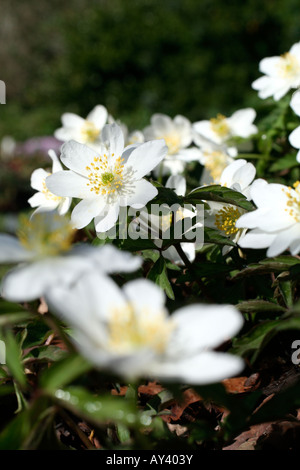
point(281, 73)
point(221, 129)
point(43, 199)
point(215, 158)
point(275, 224)
point(178, 135)
point(239, 176)
point(294, 137)
point(86, 131)
point(128, 331)
point(107, 180)
point(44, 256)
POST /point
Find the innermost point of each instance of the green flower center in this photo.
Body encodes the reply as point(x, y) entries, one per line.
point(107, 178)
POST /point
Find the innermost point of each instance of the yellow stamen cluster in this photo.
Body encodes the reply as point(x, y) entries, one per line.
point(105, 178)
point(215, 163)
point(172, 142)
point(288, 65)
point(89, 132)
point(220, 126)
point(226, 218)
point(130, 330)
point(45, 234)
point(293, 202)
point(49, 196)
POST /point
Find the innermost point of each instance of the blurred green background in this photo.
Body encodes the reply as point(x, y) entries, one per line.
point(137, 57)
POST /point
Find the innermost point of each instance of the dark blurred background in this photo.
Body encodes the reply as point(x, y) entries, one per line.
point(137, 57)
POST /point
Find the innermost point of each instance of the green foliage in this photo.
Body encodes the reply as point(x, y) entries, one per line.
point(136, 58)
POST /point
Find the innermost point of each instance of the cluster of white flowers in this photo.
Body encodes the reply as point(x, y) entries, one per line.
point(128, 330)
point(275, 224)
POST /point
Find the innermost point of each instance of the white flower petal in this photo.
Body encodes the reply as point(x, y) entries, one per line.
point(283, 240)
point(145, 157)
point(77, 156)
point(68, 184)
point(40, 199)
point(88, 302)
point(160, 124)
point(11, 250)
point(107, 219)
point(38, 178)
point(188, 155)
point(144, 294)
point(64, 205)
point(113, 260)
point(86, 210)
point(113, 138)
point(32, 281)
point(205, 368)
point(203, 326)
point(204, 129)
point(282, 91)
point(295, 103)
point(244, 176)
point(178, 183)
point(241, 122)
point(141, 192)
point(98, 116)
point(257, 239)
point(72, 120)
point(269, 65)
point(294, 138)
point(56, 165)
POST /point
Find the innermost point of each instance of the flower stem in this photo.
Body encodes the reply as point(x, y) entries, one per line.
point(190, 266)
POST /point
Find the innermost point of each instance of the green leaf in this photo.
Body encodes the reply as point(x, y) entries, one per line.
point(140, 244)
point(219, 193)
point(63, 372)
point(288, 161)
point(12, 313)
point(10, 307)
point(28, 426)
point(286, 290)
point(255, 306)
point(14, 318)
point(252, 343)
point(268, 265)
point(98, 409)
point(158, 274)
point(166, 196)
point(214, 236)
point(13, 357)
point(48, 353)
